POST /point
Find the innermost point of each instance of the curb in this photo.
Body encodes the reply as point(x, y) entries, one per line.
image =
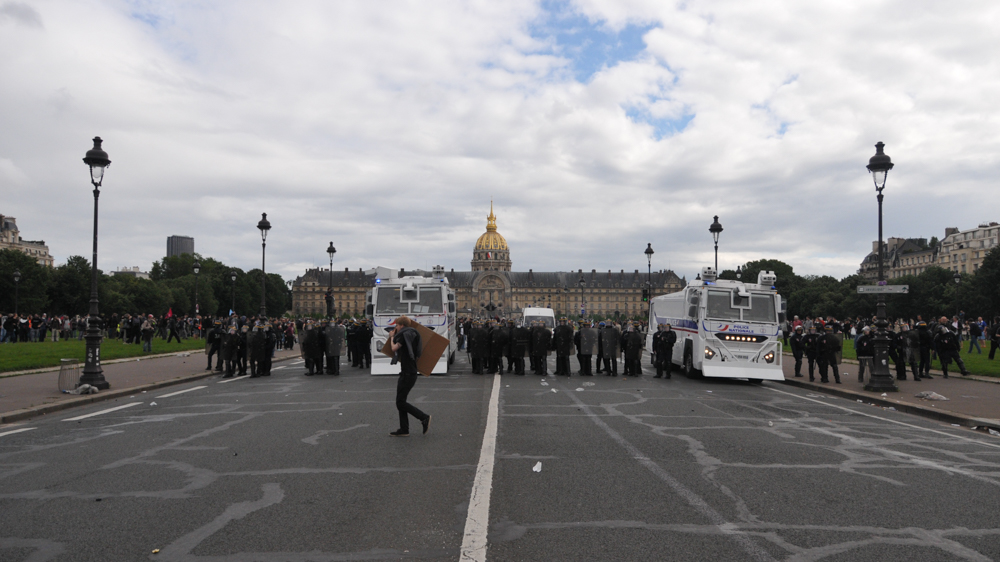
point(905, 407)
point(27, 413)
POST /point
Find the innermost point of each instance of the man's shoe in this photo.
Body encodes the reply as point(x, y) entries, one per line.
point(227, 376)
point(798, 376)
point(399, 433)
point(426, 423)
point(966, 373)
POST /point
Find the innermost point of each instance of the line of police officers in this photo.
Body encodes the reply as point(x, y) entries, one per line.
point(913, 346)
point(490, 341)
point(328, 340)
point(239, 345)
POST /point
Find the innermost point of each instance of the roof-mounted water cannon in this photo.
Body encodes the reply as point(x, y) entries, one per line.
point(708, 274)
point(438, 272)
point(767, 278)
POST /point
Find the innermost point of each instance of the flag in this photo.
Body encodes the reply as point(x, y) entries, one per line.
point(230, 312)
point(489, 255)
point(170, 312)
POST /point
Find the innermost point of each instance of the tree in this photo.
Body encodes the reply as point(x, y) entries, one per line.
point(69, 290)
point(31, 291)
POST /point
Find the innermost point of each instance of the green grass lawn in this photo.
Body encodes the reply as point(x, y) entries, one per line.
point(976, 364)
point(27, 355)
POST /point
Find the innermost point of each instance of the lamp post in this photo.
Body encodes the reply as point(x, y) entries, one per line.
point(263, 226)
point(17, 283)
point(958, 281)
point(881, 379)
point(232, 279)
point(197, 268)
point(716, 230)
point(93, 375)
point(649, 276)
point(739, 272)
point(583, 299)
point(329, 292)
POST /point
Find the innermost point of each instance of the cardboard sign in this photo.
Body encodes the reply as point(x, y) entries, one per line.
point(433, 345)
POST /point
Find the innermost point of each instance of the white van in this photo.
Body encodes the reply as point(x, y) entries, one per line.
point(534, 313)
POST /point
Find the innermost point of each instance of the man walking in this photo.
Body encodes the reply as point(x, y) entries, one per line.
point(406, 348)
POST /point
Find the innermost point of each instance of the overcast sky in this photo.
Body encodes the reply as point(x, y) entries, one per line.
point(595, 126)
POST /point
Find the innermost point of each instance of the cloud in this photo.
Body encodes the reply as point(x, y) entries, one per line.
point(596, 127)
point(22, 14)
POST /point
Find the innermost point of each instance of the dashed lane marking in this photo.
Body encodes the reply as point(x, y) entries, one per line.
point(13, 431)
point(109, 410)
point(181, 392)
point(233, 379)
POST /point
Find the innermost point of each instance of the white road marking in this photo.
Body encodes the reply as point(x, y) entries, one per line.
point(181, 392)
point(281, 367)
point(478, 519)
point(231, 380)
point(13, 431)
point(109, 410)
point(952, 435)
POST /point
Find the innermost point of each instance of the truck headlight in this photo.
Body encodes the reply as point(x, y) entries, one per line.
point(709, 352)
point(769, 357)
point(379, 344)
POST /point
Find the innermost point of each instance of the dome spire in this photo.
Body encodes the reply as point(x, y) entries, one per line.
point(491, 221)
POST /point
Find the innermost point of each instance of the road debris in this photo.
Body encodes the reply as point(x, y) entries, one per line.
point(929, 395)
point(537, 467)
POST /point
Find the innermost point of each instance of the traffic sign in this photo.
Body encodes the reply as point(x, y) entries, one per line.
point(895, 289)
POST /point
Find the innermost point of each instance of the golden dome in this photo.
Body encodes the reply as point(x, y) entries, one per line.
point(491, 239)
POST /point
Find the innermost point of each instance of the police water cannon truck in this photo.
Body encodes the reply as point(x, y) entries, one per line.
point(430, 301)
point(725, 328)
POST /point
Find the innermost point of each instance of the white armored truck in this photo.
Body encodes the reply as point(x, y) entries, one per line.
point(725, 328)
point(430, 301)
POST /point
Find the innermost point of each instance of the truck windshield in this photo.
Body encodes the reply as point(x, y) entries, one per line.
point(761, 309)
point(430, 301)
point(387, 301)
point(720, 306)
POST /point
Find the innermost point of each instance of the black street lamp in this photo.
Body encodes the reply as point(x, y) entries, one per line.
point(739, 272)
point(649, 275)
point(17, 282)
point(716, 230)
point(583, 299)
point(881, 379)
point(197, 268)
point(232, 278)
point(958, 281)
point(329, 292)
point(263, 226)
point(93, 375)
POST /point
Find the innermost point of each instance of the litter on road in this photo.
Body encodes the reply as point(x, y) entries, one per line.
point(538, 466)
point(929, 395)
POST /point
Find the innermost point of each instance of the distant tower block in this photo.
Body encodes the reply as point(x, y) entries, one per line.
point(177, 245)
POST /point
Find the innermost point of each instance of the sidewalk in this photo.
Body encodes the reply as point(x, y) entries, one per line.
point(29, 395)
point(973, 401)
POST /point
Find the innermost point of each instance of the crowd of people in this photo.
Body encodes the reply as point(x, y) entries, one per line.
point(326, 341)
point(914, 343)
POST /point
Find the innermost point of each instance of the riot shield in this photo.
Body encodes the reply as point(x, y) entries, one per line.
point(335, 338)
point(588, 341)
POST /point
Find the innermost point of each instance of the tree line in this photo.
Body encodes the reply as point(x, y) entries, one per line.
point(65, 289)
point(932, 294)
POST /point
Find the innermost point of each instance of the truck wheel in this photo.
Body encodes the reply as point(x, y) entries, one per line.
point(688, 365)
point(451, 358)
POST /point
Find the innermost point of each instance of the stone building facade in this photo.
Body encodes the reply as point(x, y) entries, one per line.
point(491, 282)
point(961, 251)
point(10, 238)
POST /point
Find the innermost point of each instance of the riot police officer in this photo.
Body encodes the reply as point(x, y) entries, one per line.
point(663, 349)
point(478, 346)
point(541, 343)
point(610, 346)
point(811, 345)
point(798, 348)
point(563, 341)
point(520, 343)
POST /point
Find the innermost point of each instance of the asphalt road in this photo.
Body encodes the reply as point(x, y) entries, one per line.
point(302, 469)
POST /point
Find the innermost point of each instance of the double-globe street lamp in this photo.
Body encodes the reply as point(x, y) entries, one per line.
point(97, 160)
point(329, 292)
point(716, 230)
point(958, 281)
point(881, 379)
point(197, 268)
point(263, 226)
point(17, 282)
